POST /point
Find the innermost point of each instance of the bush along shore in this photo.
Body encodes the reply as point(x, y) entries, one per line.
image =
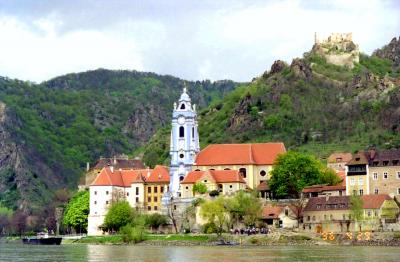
point(285, 238)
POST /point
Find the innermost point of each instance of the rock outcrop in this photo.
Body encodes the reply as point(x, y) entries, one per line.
point(390, 51)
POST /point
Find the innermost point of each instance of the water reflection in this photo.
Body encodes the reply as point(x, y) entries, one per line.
point(73, 252)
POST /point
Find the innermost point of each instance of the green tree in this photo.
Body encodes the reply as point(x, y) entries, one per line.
point(329, 177)
point(5, 219)
point(215, 211)
point(154, 221)
point(200, 188)
point(245, 207)
point(119, 215)
point(77, 211)
point(356, 209)
point(293, 171)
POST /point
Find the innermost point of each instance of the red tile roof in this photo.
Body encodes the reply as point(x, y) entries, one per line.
point(124, 178)
point(240, 154)
point(270, 211)
point(322, 188)
point(374, 201)
point(340, 157)
point(343, 202)
point(219, 176)
point(342, 175)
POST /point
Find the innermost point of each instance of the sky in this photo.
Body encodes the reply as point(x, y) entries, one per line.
point(190, 39)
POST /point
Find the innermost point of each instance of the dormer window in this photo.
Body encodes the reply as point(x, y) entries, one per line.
point(395, 162)
point(385, 163)
point(183, 106)
point(357, 159)
point(339, 159)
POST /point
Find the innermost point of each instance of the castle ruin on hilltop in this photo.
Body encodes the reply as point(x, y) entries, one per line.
point(338, 49)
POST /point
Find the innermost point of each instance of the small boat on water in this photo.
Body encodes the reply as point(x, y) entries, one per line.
point(222, 242)
point(42, 239)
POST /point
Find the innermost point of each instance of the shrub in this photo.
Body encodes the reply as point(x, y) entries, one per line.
point(209, 228)
point(132, 234)
point(214, 193)
point(199, 187)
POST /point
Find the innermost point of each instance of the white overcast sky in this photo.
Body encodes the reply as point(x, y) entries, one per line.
point(190, 39)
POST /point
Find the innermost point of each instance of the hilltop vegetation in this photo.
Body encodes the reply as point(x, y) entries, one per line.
point(52, 129)
point(311, 106)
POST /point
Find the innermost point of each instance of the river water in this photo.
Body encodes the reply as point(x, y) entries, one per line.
point(81, 252)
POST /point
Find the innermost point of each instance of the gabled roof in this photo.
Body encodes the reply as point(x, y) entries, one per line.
point(124, 178)
point(239, 154)
point(374, 201)
point(339, 157)
point(359, 158)
point(270, 211)
point(219, 176)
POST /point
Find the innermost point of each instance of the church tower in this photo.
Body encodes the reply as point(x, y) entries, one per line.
point(184, 141)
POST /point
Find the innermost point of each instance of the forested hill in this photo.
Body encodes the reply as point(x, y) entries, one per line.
point(310, 105)
point(49, 131)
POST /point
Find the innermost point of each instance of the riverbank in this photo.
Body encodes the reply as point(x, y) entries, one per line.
point(279, 238)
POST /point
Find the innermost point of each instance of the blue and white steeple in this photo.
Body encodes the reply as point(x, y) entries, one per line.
point(184, 141)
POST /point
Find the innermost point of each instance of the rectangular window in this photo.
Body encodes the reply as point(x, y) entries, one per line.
point(95, 202)
point(355, 192)
point(352, 182)
point(361, 192)
point(106, 202)
point(106, 192)
point(137, 191)
point(127, 193)
point(375, 176)
point(95, 192)
point(369, 213)
point(155, 207)
point(149, 189)
point(398, 191)
point(376, 191)
point(344, 217)
point(149, 208)
point(308, 218)
point(137, 200)
point(155, 199)
point(155, 189)
point(398, 174)
point(324, 217)
point(385, 175)
point(148, 199)
point(162, 189)
point(360, 181)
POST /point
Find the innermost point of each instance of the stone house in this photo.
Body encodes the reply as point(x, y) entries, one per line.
point(333, 213)
point(253, 161)
point(142, 189)
point(384, 172)
point(226, 182)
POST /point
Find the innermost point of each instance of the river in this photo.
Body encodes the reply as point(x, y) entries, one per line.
point(81, 252)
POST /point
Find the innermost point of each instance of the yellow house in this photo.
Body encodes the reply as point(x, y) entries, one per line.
point(357, 182)
point(253, 161)
point(226, 182)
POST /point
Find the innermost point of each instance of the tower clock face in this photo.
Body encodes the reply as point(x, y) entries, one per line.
point(181, 120)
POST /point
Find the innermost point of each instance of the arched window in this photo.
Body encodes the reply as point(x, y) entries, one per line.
point(242, 171)
point(181, 131)
point(183, 106)
point(262, 173)
point(181, 178)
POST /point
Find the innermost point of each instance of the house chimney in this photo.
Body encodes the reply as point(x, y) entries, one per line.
point(87, 166)
point(112, 169)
